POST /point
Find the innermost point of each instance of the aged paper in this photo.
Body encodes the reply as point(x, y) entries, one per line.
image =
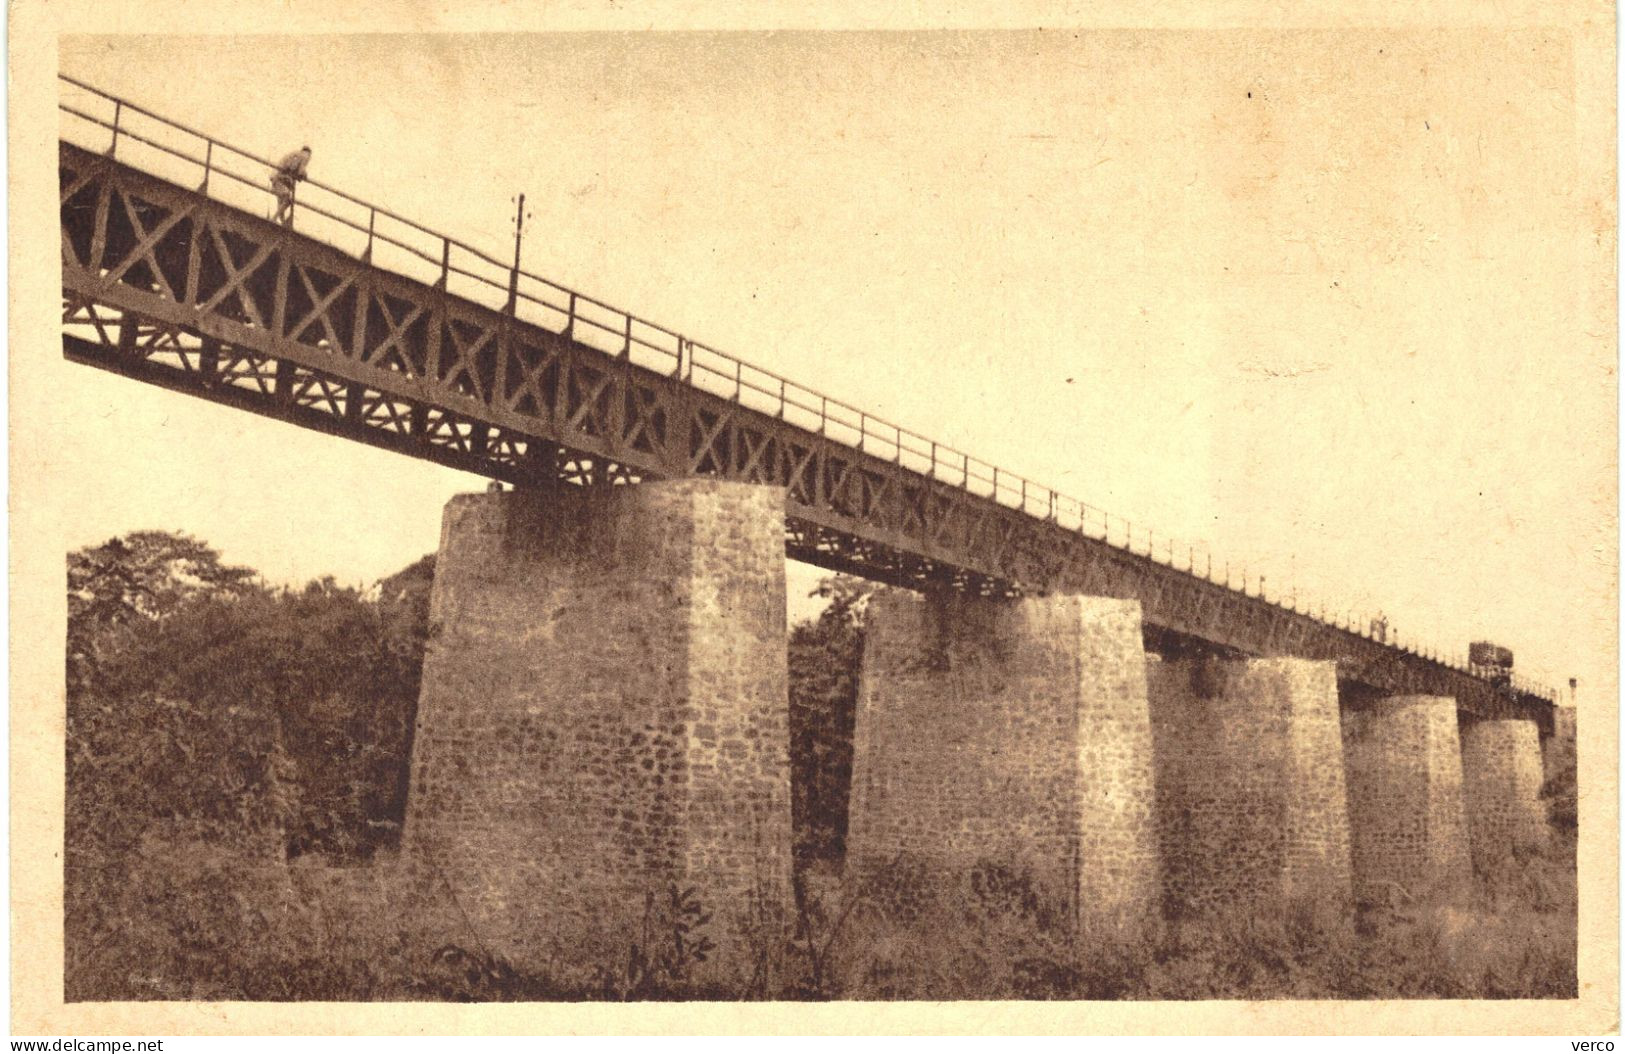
point(1394, 353)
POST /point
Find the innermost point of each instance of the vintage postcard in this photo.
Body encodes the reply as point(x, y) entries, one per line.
point(652, 517)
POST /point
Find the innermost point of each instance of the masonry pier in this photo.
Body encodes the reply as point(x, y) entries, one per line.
point(1251, 805)
point(1501, 770)
point(1006, 742)
point(1557, 749)
point(1407, 824)
point(604, 718)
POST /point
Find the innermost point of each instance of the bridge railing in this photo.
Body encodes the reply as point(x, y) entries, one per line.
point(97, 120)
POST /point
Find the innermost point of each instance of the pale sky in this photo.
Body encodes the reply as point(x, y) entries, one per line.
point(1315, 299)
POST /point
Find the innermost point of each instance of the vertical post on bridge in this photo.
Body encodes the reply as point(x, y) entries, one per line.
point(518, 240)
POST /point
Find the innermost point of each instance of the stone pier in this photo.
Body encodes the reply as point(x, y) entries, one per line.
point(1557, 749)
point(1251, 804)
point(1407, 825)
point(604, 720)
point(1501, 775)
point(1002, 749)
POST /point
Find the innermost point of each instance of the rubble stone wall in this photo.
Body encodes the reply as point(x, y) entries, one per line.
point(604, 716)
point(1501, 777)
point(1407, 824)
point(1251, 803)
point(1006, 737)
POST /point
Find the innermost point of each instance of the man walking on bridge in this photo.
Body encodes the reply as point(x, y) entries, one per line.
point(290, 171)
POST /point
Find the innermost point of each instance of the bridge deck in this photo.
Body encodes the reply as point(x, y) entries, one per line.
point(169, 285)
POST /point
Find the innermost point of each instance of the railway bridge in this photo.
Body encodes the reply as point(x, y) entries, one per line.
point(606, 694)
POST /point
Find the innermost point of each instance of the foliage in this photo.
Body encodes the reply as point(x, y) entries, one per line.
point(660, 964)
point(203, 705)
point(822, 915)
point(200, 926)
point(322, 666)
point(825, 655)
point(1561, 794)
point(980, 938)
point(142, 576)
point(463, 975)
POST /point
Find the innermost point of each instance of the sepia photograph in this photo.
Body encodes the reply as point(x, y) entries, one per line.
point(1014, 515)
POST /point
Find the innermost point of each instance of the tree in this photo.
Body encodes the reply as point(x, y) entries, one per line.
point(825, 655)
point(324, 678)
point(324, 665)
point(144, 575)
point(216, 718)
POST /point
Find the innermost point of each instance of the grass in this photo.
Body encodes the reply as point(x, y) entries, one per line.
point(214, 930)
point(1513, 938)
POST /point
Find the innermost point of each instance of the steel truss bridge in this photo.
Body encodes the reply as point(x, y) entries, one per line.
point(359, 323)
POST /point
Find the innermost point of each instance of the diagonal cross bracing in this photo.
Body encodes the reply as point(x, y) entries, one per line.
point(597, 418)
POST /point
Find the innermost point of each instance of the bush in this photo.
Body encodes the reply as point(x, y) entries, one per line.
point(985, 939)
point(825, 655)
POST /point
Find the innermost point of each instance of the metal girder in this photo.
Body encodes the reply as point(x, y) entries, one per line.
point(166, 285)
